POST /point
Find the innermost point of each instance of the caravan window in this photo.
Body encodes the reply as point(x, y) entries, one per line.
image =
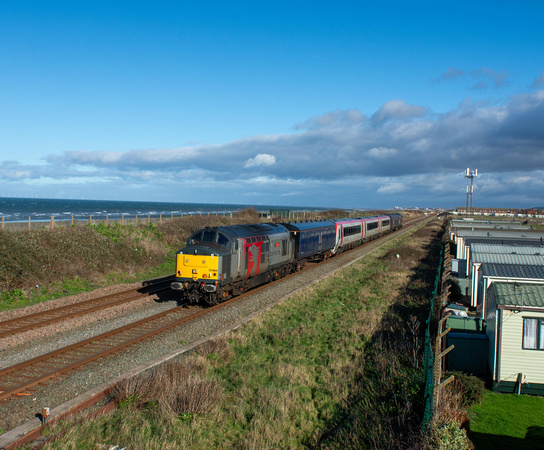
point(533, 334)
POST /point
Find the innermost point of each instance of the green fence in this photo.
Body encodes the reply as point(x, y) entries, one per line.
point(429, 355)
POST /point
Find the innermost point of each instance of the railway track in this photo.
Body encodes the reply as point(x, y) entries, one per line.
point(24, 377)
point(37, 320)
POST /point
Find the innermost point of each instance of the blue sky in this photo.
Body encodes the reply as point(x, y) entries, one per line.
point(335, 104)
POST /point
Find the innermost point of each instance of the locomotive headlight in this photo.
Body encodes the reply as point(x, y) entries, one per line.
point(195, 271)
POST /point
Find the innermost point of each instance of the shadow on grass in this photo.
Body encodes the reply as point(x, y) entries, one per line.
point(534, 438)
point(385, 405)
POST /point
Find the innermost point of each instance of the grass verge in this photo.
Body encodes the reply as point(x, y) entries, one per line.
point(505, 421)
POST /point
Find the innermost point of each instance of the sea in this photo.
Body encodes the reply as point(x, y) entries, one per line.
point(41, 210)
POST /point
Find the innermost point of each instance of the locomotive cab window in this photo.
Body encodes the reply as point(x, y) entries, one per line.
point(208, 236)
point(223, 240)
point(195, 238)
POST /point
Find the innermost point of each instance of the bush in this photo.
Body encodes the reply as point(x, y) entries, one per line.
point(11, 297)
point(471, 388)
point(447, 436)
point(173, 389)
point(456, 295)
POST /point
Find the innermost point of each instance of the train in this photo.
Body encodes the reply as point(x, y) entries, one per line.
point(218, 263)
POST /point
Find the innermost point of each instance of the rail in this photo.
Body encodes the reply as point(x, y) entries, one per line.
point(43, 318)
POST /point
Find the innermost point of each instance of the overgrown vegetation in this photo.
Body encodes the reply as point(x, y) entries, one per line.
point(448, 430)
point(337, 366)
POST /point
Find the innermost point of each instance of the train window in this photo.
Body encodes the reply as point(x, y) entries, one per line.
point(208, 236)
point(385, 222)
point(372, 226)
point(351, 230)
point(195, 238)
point(223, 240)
point(284, 247)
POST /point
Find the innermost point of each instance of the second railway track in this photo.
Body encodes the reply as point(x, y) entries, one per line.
point(43, 318)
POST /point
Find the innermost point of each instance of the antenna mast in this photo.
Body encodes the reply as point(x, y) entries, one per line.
point(470, 175)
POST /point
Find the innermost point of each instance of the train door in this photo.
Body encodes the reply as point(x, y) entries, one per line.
point(265, 254)
point(237, 258)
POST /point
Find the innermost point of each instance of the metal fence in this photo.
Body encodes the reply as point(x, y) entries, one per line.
point(429, 370)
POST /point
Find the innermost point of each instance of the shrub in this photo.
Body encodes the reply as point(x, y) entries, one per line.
point(456, 295)
point(248, 215)
point(471, 388)
point(173, 389)
point(447, 436)
point(11, 297)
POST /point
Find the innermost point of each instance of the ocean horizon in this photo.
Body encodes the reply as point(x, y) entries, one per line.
point(42, 209)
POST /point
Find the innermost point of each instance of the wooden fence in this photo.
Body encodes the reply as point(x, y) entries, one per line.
point(143, 219)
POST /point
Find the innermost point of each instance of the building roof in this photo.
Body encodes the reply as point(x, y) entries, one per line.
point(500, 234)
point(488, 226)
point(508, 258)
point(506, 249)
point(523, 242)
point(512, 271)
point(518, 294)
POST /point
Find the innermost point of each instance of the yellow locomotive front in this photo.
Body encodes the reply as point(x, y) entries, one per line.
point(199, 266)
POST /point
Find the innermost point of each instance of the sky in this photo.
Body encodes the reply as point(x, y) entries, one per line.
point(345, 104)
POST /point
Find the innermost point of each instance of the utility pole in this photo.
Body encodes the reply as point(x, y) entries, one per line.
point(470, 175)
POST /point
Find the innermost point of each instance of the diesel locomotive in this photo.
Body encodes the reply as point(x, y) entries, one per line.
point(218, 263)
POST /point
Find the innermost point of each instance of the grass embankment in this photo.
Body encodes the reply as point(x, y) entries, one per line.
point(505, 421)
point(337, 366)
point(39, 265)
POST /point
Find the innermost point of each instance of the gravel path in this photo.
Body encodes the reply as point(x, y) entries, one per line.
point(21, 409)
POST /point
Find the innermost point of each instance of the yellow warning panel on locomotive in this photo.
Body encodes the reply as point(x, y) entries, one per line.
point(204, 267)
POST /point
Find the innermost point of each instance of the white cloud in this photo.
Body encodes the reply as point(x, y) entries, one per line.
point(539, 82)
point(481, 78)
point(339, 151)
point(382, 152)
point(262, 159)
point(398, 109)
point(392, 188)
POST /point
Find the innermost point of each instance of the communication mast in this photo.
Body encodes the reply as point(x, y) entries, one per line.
point(470, 175)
